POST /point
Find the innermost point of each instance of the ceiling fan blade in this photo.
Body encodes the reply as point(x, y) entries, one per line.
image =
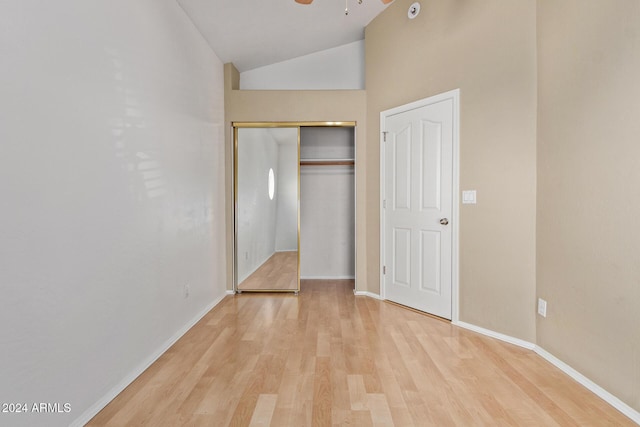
point(304, 1)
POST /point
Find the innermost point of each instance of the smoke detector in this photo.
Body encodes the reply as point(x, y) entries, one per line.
point(414, 10)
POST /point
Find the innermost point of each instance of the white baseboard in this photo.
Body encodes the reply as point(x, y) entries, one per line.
point(327, 277)
point(493, 334)
point(111, 394)
point(367, 294)
point(586, 382)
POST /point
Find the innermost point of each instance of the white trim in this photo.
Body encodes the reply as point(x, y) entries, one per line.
point(327, 277)
point(593, 387)
point(367, 294)
point(455, 240)
point(115, 391)
point(497, 335)
point(383, 134)
point(454, 95)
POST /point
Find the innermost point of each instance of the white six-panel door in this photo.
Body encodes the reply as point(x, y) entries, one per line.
point(418, 207)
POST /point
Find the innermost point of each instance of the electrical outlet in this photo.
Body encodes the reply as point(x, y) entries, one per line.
point(542, 307)
point(185, 291)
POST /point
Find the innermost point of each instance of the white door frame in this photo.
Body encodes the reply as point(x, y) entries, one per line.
point(454, 95)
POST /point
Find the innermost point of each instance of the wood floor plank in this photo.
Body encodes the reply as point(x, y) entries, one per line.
point(379, 408)
point(330, 358)
point(322, 393)
point(357, 393)
point(264, 410)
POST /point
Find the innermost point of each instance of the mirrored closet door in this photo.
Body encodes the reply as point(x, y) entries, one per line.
point(266, 208)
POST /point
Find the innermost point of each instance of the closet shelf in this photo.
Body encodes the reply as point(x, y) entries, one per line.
point(327, 162)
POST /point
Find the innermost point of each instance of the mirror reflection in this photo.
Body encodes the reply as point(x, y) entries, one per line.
point(267, 165)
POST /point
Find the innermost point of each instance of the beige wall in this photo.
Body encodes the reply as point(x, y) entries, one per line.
point(299, 106)
point(487, 48)
point(588, 189)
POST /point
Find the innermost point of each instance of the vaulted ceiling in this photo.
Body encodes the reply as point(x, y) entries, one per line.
point(255, 33)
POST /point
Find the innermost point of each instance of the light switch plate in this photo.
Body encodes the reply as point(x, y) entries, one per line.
point(469, 197)
point(542, 307)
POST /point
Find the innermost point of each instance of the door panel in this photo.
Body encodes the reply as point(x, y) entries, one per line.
point(430, 165)
point(402, 256)
point(402, 164)
point(418, 171)
point(430, 261)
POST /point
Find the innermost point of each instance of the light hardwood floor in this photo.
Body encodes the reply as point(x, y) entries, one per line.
point(279, 272)
point(327, 357)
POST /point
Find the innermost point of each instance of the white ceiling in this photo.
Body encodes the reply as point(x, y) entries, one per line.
point(255, 33)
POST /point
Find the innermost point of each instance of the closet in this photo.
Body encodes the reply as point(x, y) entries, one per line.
point(327, 203)
point(294, 204)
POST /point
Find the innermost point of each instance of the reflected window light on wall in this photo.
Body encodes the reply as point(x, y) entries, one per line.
point(272, 184)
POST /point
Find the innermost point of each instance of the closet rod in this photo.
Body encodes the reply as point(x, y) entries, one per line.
point(327, 163)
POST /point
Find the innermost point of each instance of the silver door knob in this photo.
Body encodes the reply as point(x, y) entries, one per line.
point(444, 221)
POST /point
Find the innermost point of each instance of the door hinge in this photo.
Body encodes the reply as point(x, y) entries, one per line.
point(384, 269)
point(384, 135)
point(384, 204)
